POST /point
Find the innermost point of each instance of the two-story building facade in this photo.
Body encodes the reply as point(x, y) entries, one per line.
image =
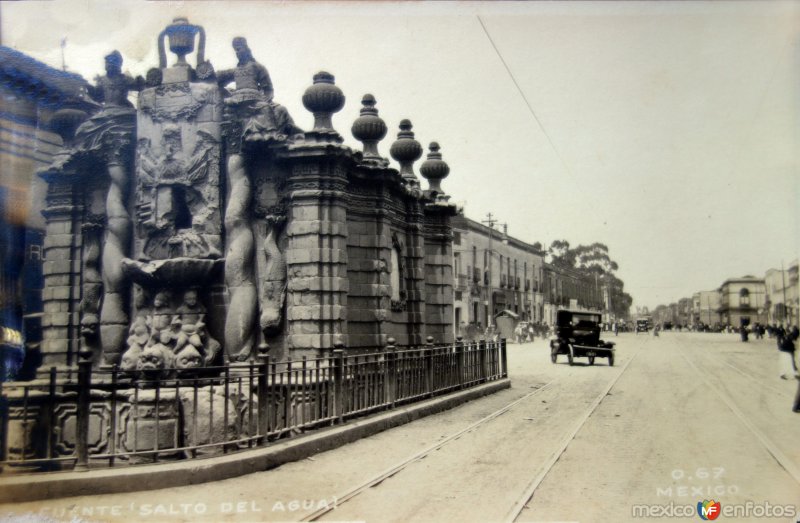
point(494, 273)
point(742, 301)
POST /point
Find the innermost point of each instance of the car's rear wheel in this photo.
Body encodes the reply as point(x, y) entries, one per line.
point(611, 360)
point(591, 360)
point(553, 355)
point(569, 357)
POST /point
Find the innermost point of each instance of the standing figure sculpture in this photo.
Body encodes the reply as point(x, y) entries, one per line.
point(262, 117)
point(109, 135)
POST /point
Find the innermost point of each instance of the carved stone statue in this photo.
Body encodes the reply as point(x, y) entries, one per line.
point(109, 136)
point(137, 341)
point(273, 287)
point(263, 119)
point(117, 116)
point(193, 328)
point(160, 318)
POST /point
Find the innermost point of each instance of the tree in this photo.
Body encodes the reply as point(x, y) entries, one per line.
point(593, 261)
point(561, 255)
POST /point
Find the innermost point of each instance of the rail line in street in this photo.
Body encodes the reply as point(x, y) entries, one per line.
point(529, 491)
point(758, 381)
point(394, 469)
point(783, 460)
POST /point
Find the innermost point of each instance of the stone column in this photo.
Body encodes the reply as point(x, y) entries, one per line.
point(61, 270)
point(316, 256)
point(415, 274)
point(438, 249)
point(316, 253)
point(439, 274)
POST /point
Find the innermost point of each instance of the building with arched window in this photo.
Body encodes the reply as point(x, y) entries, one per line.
point(742, 301)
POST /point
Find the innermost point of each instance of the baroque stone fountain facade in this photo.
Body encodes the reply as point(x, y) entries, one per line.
point(204, 225)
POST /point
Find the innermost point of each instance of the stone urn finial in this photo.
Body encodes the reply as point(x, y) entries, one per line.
point(434, 169)
point(369, 128)
point(323, 99)
point(180, 35)
point(406, 150)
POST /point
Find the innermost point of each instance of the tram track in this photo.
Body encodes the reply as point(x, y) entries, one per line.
point(712, 382)
point(398, 467)
point(530, 490)
point(520, 504)
point(757, 381)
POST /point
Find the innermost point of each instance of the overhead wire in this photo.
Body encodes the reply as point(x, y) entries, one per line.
point(524, 98)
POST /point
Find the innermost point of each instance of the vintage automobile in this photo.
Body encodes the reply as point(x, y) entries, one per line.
point(642, 325)
point(578, 336)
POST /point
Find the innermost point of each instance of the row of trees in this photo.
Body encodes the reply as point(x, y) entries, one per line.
point(592, 261)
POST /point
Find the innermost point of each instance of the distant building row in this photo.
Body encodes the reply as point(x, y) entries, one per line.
point(496, 274)
point(773, 299)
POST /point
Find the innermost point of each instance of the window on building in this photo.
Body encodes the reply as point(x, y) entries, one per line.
point(35, 252)
point(744, 298)
point(395, 274)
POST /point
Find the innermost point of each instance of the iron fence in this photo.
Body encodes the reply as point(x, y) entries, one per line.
point(86, 418)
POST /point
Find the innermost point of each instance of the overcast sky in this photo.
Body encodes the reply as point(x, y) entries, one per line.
point(666, 130)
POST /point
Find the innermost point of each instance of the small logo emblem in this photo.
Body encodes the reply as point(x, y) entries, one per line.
point(708, 510)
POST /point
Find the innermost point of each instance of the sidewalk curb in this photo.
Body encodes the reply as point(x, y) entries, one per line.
point(35, 487)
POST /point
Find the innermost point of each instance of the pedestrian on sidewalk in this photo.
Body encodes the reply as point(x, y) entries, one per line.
point(787, 349)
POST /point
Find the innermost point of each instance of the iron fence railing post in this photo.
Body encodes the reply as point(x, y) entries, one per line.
point(83, 410)
point(460, 363)
point(485, 374)
point(261, 394)
point(429, 382)
point(503, 357)
point(391, 372)
point(287, 405)
point(338, 384)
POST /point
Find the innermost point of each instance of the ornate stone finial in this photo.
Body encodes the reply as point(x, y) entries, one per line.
point(406, 150)
point(180, 34)
point(369, 128)
point(323, 99)
point(434, 169)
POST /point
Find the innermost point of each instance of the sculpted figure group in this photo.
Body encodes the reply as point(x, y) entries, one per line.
point(162, 335)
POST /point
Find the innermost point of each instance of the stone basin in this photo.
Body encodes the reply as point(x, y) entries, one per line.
point(175, 272)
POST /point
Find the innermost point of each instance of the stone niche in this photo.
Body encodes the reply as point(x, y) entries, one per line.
point(203, 224)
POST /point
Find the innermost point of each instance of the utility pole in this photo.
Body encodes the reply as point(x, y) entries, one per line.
point(490, 222)
point(783, 288)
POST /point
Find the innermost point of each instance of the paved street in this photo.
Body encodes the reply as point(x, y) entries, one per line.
point(688, 417)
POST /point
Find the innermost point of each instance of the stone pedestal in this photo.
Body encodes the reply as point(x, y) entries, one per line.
point(151, 422)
